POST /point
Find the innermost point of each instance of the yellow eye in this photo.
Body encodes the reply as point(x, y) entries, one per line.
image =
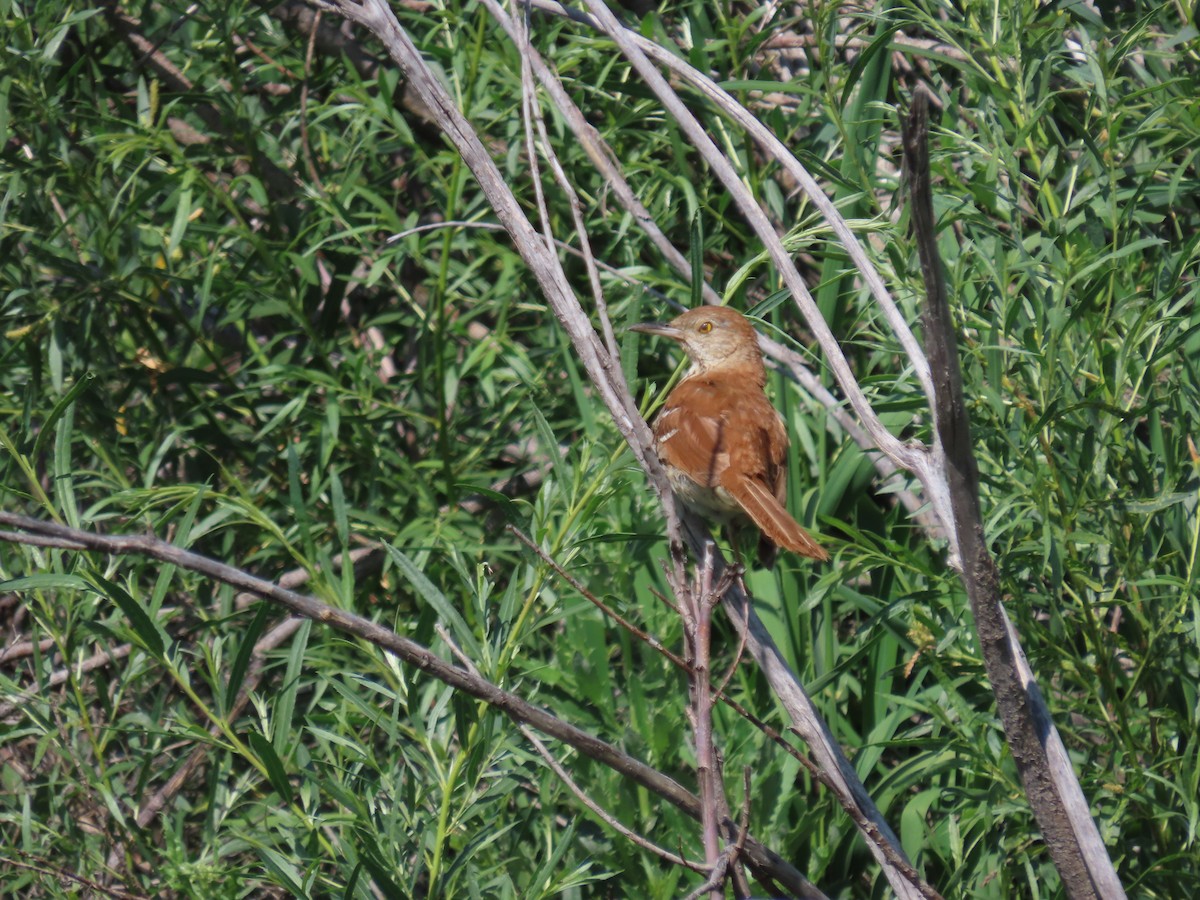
point(705, 328)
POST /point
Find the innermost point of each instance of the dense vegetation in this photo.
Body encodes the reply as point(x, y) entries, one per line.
point(209, 336)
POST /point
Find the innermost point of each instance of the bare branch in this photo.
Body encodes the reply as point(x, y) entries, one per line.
point(1054, 793)
point(697, 600)
point(597, 150)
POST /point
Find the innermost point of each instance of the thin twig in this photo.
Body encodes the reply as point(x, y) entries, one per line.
point(697, 601)
point(734, 850)
point(604, 816)
point(529, 92)
point(643, 636)
point(309, 162)
point(714, 885)
point(742, 631)
point(744, 823)
point(45, 867)
point(566, 778)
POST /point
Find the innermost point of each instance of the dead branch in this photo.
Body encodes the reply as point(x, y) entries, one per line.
point(1054, 794)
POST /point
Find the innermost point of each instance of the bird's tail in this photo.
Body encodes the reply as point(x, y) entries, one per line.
point(775, 523)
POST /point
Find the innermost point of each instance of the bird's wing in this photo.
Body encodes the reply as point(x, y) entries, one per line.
point(758, 442)
point(692, 432)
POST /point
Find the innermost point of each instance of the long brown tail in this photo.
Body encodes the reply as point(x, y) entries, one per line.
point(773, 520)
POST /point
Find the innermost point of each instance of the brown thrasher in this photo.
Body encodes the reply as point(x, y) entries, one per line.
point(721, 441)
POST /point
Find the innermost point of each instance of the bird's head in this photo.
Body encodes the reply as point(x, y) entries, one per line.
point(714, 337)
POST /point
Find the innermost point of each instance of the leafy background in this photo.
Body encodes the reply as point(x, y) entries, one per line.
point(207, 335)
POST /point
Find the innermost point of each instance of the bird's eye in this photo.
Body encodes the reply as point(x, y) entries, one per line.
point(705, 328)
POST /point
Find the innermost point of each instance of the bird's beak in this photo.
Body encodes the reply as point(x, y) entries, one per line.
point(659, 328)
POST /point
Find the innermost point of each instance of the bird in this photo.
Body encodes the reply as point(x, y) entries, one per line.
point(722, 443)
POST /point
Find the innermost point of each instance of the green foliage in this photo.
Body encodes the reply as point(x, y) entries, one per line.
point(208, 335)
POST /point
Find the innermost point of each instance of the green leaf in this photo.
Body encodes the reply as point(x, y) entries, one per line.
point(697, 259)
point(47, 581)
point(435, 598)
point(285, 701)
point(880, 43)
point(241, 662)
point(59, 409)
point(550, 448)
point(284, 871)
point(149, 635)
point(183, 212)
point(276, 773)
